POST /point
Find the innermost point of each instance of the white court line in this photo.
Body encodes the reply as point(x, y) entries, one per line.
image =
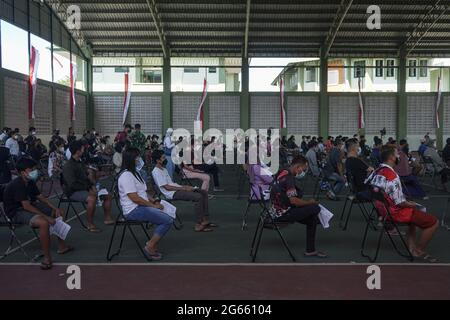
point(238, 264)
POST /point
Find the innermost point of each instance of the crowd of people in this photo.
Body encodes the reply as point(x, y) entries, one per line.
point(142, 163)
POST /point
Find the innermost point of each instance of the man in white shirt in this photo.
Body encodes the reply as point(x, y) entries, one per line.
point(168, 147)
point(13, 145)
point(174, 191)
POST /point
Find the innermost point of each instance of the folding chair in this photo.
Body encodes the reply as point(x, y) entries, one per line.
point(63, 198)
point(353, 198)
point(430, 170)
point(252, 200)
point(45, 178)
point(178, 223)
point(13, 238)
point(266, 221)
point(184, 177)
point(321, 185)
point(242, 178)
point(121, 221)
point(444, 214)
point(380, 196)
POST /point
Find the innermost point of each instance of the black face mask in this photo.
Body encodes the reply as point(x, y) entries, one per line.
point(164, 163)
point(397, 161)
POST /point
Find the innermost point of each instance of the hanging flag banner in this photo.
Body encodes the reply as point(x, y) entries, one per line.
point(200, 114)
point(438, 103)
point(73, 102)
point(32, 82)
point(126, 104)
point(361, 122)
point(283, 124)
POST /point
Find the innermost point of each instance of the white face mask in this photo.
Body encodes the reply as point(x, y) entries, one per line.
point(359, 151)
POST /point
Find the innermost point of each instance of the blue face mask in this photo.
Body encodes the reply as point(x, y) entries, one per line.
point(33, 175)
point(301, 175)
point(140, 164)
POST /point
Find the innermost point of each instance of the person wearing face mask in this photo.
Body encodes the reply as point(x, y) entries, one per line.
point(311, 156)
point(334, 169)
point(412, 187)
point(439, 165)
point(403, 211)
point(29, 140)
point(56, 159)
point(136, 203)
point(288, 204)
point(168, 147)
point(358, 170)
point(25, 205)
point(174, 191)
point(13, 145)
point(123, 136)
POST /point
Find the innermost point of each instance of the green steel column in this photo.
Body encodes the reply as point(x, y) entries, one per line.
point(324, 111)
point(245, 96)
point(402, 99)
point(2, 100)
point(90, 97)
point(166, 96)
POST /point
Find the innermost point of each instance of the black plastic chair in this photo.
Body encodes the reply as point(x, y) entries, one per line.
point(354, 199)
point(444, 215)
point(6, 222)
point(430, 170)
point(253, 200)
point(122, 222)
point(63, 198)
point(387, 223)
point(266, 221)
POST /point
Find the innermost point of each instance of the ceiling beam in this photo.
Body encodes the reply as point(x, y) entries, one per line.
point(247, 28)
point(430, 19)
point(158, 25)
point(344, 7)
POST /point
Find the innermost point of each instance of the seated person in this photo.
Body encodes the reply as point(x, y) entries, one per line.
point(174, 191)
point(403, 211)
point(375, 156)
point(439, 165)
point(412, 187)
point(288, 204)
point(117, 157)
point(192, 173)
point(261, 179)
point(5, 172)
point(358, 170)
point(25, 205)
point(446, 153)
point(78, 187)
point(136, 204)
point(311, 156)
point(334, 169)
point(56, 159)
point(36, 151)
point(13, 145)
point(212, 169)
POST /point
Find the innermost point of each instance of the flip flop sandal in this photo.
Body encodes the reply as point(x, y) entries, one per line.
point(94, 230)
point(427, 258)
point(317, 254)
point(66, 251)
point(204, 229)
point(46, 266)
point(152, 256)
point(211, 225)
point(109, 223)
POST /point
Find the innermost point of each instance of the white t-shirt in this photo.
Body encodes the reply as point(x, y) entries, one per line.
point(129, 184)
point(162, 178)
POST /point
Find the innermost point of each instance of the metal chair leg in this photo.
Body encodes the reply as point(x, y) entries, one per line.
point(244, 219)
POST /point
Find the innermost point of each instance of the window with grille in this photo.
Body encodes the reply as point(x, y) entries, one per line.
point(360, 69)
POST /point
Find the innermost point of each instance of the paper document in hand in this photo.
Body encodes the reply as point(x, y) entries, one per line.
point(325, 216)
point(169, 209)
point(102, 192)
point(60, 229)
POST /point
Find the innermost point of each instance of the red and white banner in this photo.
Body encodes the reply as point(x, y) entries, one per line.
point(200, 114)
point(73, 101)
point(283, 124)
point(361, 122)
point(126, 104)
point(438, 103)
point(32, 82)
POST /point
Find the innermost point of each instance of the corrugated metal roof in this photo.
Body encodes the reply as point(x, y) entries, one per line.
point(276, 28)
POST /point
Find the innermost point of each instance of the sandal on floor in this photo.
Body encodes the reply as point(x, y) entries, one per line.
point(316, 254)
point(94, 229)
point(203, 228)
point(66, 250)
point(426, 258)
point(109, 223)
point(152, 256)
point(46, 266)
point(211, 225)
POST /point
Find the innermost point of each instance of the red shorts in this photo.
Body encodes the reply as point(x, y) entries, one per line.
point(423, 220)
